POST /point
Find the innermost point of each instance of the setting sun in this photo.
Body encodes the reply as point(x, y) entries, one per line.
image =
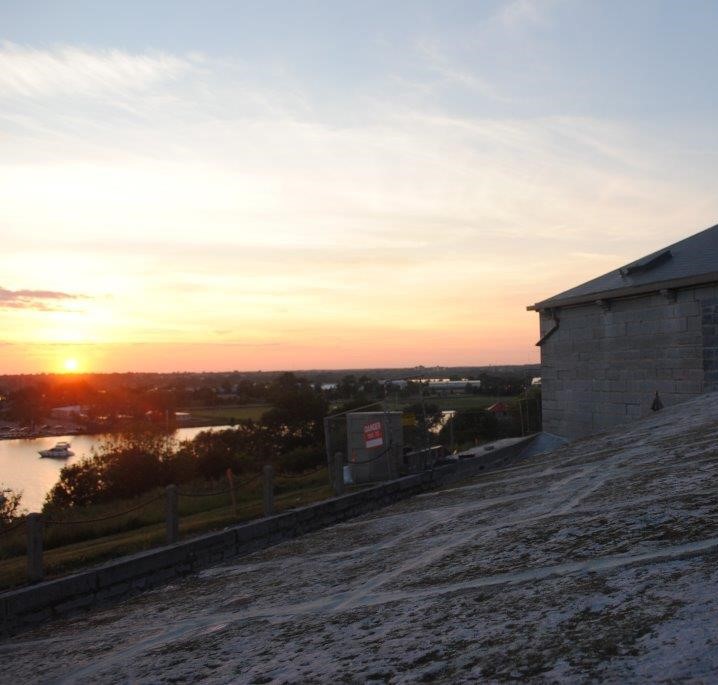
point(70, 365)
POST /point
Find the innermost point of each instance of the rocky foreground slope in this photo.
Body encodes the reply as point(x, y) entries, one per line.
point(599, 561)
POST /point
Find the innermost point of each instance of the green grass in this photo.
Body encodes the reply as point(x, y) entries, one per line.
point(68, 548)
point(449, 402)
point(242, 411)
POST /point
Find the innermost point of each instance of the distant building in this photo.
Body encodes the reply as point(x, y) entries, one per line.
point(70, 412)
point(608, 345)
point(444, 386)
point(400, 384)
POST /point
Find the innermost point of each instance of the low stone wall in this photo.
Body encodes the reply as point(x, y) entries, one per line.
point(27, 606)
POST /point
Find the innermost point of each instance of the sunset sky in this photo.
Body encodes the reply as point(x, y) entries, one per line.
point(286, 185)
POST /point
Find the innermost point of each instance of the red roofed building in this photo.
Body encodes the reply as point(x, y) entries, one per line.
point(500, 409)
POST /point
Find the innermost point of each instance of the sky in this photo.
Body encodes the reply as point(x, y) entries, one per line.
point(292, 185)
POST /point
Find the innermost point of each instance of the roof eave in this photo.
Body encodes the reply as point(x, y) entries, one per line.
point(630, 291)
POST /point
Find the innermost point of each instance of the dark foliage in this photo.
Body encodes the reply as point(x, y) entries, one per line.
point(469, 426)
point(427, 417)
point(9, 506)
point(124, 465)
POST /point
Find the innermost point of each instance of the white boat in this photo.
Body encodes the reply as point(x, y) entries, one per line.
point(59, 451)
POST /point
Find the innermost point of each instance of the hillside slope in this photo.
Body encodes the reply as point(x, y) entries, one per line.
point(599, 561)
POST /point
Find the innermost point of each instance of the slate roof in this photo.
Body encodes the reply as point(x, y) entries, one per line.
point(691, 261)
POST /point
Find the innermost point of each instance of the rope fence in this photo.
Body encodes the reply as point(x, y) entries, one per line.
point(211, 493)
point(53, 522)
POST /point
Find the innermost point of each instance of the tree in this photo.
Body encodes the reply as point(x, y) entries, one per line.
point(298, 411)
point(28, 404)
point(9, 506)
point(79, 485)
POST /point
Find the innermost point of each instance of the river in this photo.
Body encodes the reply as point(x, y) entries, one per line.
point(24, 470)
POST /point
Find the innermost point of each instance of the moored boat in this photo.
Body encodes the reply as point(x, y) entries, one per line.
point(59, 451)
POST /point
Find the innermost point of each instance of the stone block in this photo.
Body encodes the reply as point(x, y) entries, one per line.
point(633, 411)
point(643, 328)
point(674, 325)
point(706, 292)
point(615, 330)
point(691, 308)
point(693, 323)
point(112, 591)
point(48, 593)
point(73, 604)
point(688, 374)
point(689, 387)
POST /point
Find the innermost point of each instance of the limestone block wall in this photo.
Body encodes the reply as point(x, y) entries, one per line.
point(709, 324)
point(604, 364)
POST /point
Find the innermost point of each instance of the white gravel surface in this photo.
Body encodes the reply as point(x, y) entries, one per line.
point(598, 562)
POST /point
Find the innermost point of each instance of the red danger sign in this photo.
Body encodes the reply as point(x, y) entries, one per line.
point(373, 434)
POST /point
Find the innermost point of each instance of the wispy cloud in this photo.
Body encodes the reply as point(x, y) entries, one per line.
point(215, 203)
point(42, 300)
point(438, 61)
point(523, 13)
point(69, 70)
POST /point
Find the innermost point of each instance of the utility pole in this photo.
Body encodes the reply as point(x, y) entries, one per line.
point(423, 411)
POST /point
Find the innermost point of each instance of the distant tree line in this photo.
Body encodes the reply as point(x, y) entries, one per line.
point(106, 406)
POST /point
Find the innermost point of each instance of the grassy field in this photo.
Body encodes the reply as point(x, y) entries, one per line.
point(225, 413)
point(144, 529)
point(448, 402)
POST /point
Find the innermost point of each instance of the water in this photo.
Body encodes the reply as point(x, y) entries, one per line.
point(22, 468)
point(445, 416)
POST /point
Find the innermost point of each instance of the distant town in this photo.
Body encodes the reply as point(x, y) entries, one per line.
point(66, 404)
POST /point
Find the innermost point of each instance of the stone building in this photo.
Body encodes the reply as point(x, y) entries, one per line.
point(608, 345)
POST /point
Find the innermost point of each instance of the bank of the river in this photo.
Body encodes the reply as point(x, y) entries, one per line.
point(23, 470)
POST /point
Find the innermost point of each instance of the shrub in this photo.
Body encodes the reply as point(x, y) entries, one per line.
point(301, 459)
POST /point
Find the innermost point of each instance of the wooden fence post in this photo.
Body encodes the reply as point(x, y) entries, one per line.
point(232, 493)
point(338, 474)
point(172, 514)
point(34, 526)
point(268, 490)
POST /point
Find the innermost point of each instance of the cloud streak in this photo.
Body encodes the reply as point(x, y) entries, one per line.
point(68, 70)
point(41, 300)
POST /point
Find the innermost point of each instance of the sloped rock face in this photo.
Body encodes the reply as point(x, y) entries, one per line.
point(596, 562)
